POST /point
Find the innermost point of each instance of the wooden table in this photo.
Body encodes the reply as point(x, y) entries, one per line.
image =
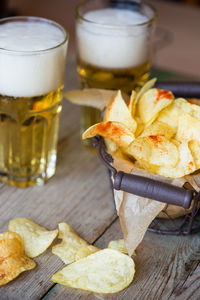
point(167, 267)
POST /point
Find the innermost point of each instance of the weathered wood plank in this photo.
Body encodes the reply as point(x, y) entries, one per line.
point(167, 267)
point(190, 289)
point(79, 194)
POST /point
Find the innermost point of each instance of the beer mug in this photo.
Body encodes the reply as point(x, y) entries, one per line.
point(114, 41)
point(32, 64)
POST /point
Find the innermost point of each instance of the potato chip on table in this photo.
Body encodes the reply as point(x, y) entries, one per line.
point(36, 238)
point(85, 251)
point(118, 245)
point(71, 242)
point(106, 271)
point(13, 259)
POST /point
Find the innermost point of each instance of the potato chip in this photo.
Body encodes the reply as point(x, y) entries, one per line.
point(136, 96)
point(154, 150)
point(170, 114)
point(188, 128)
point(148, 85)
point(140, 127)
point(115, 131)
point(194, 147)
point(85, 251)
point(13, 259)
point(158, 129)
point(132, 104)
point(185, 166)
point(119, 245)
point(118, 111)
point(151, 103)
point(71, 242)
point(106, 271)
point(110, 145)
point(186, 107)
point(195, 110)
point(36, 238)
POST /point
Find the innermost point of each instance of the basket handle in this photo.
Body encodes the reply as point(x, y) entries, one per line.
point(153, 189)
point(181, 89)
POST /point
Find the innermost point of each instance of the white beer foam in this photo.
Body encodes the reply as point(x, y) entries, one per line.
point(24, 73)
point(117, 41)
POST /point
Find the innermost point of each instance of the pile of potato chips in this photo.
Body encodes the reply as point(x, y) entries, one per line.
point(89, 268)
point(157, 132)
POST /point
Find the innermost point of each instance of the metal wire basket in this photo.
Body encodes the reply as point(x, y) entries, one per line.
point(185, 197)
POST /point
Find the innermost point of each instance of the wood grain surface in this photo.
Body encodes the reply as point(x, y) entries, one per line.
point(167, 267)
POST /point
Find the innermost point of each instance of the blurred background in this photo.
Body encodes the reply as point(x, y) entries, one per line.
point(177, 42)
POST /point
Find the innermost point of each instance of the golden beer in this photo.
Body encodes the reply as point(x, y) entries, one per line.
point(28, 138)
point(114, 79)
point(31, 83)
point(114, 47)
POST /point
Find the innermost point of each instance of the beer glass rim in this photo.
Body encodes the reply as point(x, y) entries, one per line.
point(139, 4)
point(34, 19)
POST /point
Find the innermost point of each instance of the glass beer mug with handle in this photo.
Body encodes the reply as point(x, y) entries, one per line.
point(32, 64)
point(114, 40)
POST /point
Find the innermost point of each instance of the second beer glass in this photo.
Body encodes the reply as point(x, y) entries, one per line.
point(114, 40)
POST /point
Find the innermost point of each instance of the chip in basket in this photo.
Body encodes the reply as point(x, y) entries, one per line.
point(115, 131)
point(185, 165)
point(155, 150)
point(166, 140)
point(85, 251)
point(13, 259)
point(151, 103)
point(36, 238)
point(132, 103)
point(71, 242)
point(188, 128)
point(158, 128)
point(170, 115)
point(106, 271)
point(118, 111)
